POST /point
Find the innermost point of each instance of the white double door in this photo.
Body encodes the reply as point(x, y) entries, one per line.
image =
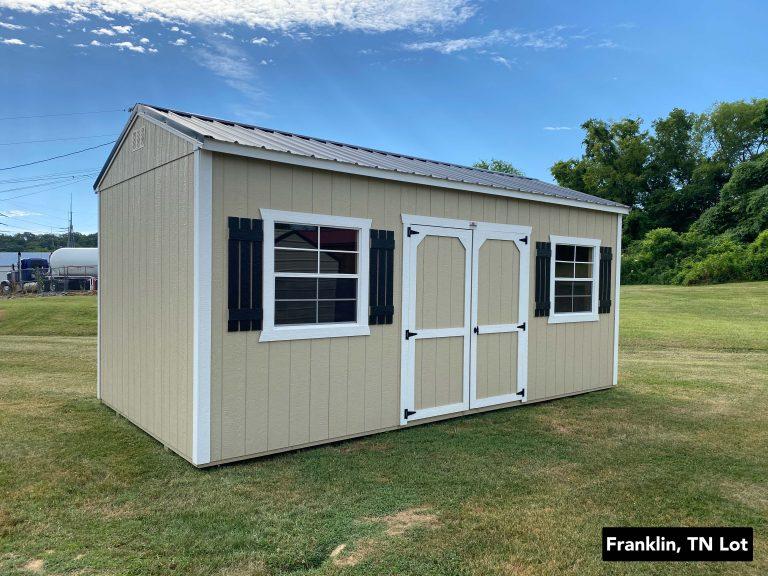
point(465, 316)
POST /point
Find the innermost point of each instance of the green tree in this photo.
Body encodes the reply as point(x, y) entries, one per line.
point(737, 131)
point(498, 166)
point(613, 165)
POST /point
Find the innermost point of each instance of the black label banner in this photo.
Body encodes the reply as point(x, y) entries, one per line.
point(677, 544)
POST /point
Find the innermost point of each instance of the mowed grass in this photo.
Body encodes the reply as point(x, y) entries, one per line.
point(48, 316)
point(681, 441)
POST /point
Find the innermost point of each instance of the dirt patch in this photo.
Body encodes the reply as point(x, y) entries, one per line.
point(752, 495)
point(34, 566)
point(397, 524)
point(363, 549)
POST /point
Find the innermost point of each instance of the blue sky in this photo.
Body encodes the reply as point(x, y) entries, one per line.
point(453, 80)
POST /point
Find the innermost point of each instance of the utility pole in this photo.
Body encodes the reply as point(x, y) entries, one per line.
point(70, 237)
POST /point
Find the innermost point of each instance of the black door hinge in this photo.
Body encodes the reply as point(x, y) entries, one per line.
point(524, 239)
point(411, 232)
point(521, 326)
point(408, 334)
point(522, 392)
point(407, 413)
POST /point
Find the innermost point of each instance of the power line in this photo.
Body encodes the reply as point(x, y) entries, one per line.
point(38, 185)
point(64, 114)
point(59, 156)
point(56, 187)
point(55, 139)
point(49, 176)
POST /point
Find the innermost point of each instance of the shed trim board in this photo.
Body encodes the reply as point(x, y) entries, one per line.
point(203, 272)
point(284, 389)
point(617, 281)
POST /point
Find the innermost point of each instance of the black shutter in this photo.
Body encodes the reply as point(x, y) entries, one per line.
point(381, 281)
point(543, 262)
point(604, 303)
point(244, 275)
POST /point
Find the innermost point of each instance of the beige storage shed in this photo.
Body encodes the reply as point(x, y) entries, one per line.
point(262, 291)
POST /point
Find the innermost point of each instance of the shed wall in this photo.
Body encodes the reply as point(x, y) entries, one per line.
point(160, 146)
point(272, 396)
point(146, 290)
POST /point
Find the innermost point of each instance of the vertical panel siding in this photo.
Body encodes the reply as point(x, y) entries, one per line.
point(146, 282)
point(268, 396)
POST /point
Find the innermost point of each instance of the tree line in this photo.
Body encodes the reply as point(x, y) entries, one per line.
point(697, 185)
point(29, 242)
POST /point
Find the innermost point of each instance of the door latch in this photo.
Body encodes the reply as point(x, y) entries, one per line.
point(521, 326)
point(476, 330)
point(408, 334)
point(407, 413)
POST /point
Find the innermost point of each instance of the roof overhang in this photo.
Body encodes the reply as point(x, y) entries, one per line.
point(237, 149)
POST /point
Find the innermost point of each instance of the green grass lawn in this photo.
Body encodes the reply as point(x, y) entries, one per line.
point(681, 441)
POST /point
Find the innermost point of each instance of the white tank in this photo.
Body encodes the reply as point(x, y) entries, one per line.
point(75, 262)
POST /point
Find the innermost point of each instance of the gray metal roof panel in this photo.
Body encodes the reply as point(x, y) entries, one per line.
point(279, 141)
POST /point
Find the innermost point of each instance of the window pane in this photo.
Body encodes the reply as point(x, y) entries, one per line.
point(338, 239)
point(292, 312)
point(583, 270)
point(563, 288)
point(295, 288)
point(582, 303)
point(564, 252)
point(295, 236)
point(563, 304)
point(583, 254)
point(295, 261)
point(563, 270)
point(582, 288)
point(337, 288)
point(337, 311)
point(338, 263)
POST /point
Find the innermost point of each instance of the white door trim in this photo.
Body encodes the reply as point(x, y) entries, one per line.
point(408, 349)
point(521, 236)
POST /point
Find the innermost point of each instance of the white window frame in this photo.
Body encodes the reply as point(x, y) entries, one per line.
point(270, 332)
point(562, 317)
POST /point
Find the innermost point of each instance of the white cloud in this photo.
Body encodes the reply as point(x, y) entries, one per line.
point(231, 64)
point(260, 41)
point(179, 42)
point(103, 32)
point(501, 60)
point(122, 29)
point(225, 35)
point(96, 43)
point(128, 46)
point(606, 43)
point(538, 40)
point(367, 15)
point(10, 26)
point(152, 50)
point(557, 128)
point(12, 42)
point(75, 17)
point(144, 40)
point(20, 213)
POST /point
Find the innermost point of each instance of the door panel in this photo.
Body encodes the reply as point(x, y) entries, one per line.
point(496, 364)
point(440, 281)
point(436, 296)
point(465, 314)
point(499, 340)
point(439, 372)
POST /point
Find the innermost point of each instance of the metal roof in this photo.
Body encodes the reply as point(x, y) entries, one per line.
point(202, 128)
